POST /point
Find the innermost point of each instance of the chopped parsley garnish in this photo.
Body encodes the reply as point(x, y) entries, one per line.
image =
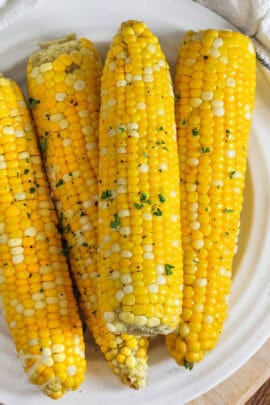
point(66, 229)
point(85, 244)
point(168, 269)
point(121, 128)
point(226, 210)
point(17, 174)
point(138, 206)
point(161, 129)
point(66, 249)
point(26, 171)
point(106, 194)
point(143, 196)
point(162, 199)
point(195, 132)
point(32, 102)
point(228, 131)
point(205, 150)
point(59, 183)
point(158, 212)
point(160, 143)
point(232, 174)
point(196, 261)
point(188, 365)
point(32, 190)
point(82, 214)
point(60, 225)
point(145, 154)
point(116, 222)
point(227, 233)
point(43, 145)
point(184, 122)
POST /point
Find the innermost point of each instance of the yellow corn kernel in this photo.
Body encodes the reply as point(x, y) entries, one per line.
point(138, 187)
point(72, 101)
point(213, 144)
point(26, 270)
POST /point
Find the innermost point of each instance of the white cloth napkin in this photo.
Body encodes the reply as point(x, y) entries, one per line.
point(252, 17)
point(12, 10)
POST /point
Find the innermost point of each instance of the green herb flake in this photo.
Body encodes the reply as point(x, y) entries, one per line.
point(161, 129)
point(232, 174)
point(228, 131)
point(43, 145)
point(205, 150)
point(138, 206)
point(26, 171)
point(226, 210)
point(195, 132)
point(17, 174)
point(160, 143)
point(188, 365)
point(168, 269)
point(227, 233)
point(32, 102)
point(196, 261)
point(82, 214)
point(145, 154)
point(162, 199)
point(94, 312)
point(184, 122)
point(106, 194)
point(66, 229)
point(143, 196)
point(30, 275)
point(116, 222)
point(66, 250)
point(59, 183)
point(157, 213)
point(28, 214)
point(32, 190)
point(176, 97)
point(84, 244)
point(121, 128)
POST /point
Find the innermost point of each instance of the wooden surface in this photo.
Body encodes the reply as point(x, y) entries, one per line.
point(242, 385)
point(262, 396)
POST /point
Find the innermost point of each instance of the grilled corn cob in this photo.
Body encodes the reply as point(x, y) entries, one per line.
point(214, 86)
point(139, 230)
point(72, 176)
point(35, 286)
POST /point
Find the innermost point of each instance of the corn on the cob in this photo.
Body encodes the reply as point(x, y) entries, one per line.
point(139, 230)
point(74, 182)
point(35, 286)
point(214, 86)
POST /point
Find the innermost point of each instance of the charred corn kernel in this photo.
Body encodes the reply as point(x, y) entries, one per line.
point(138, 175)
point(71, 164)
point(215, 131)
point(27, 270)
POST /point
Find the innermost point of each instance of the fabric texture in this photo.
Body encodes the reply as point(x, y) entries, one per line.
point(252, 17)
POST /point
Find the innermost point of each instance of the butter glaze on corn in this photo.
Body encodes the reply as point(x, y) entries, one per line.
point(35, 285)
point(214, 87)
point(139, 231)
point(71, 165)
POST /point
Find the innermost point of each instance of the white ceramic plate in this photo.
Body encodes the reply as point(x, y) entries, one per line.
point(248, 325)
